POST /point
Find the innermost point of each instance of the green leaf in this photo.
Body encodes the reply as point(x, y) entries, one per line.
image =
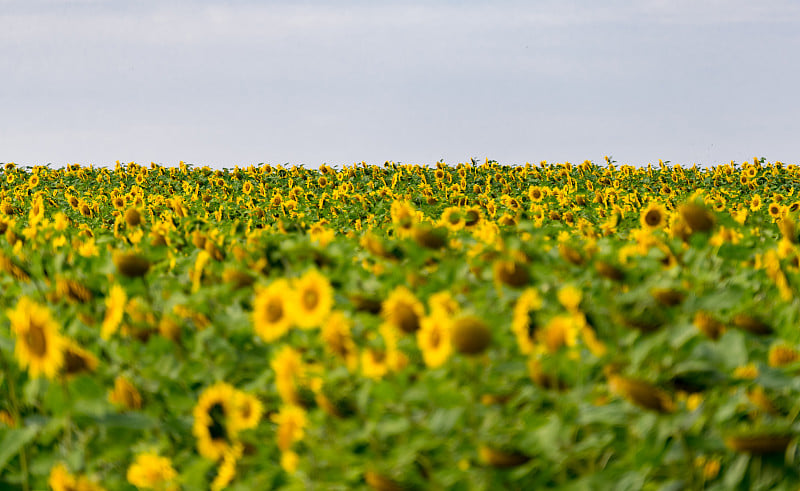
point(13, 441)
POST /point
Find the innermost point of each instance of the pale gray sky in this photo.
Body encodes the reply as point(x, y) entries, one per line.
point(243, 82)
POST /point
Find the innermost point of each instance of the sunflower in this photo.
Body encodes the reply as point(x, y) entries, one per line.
point(338, 340)
point(149, 471)
point(289, 369)
point(291, 421)
point(124, 394)
point(570, 297)
point(403, 310)
point(216, 420)
point(77, 360)
point(775, 209)
point(313, 299)
point(536, 194)
point(654, 216)
point(226, 470)
point(373, 363)
point(524, 323)
point(271, 313)
point(73, 291)
point(452, 218)
point(641, 393)
point(404, 217)
point(445, 302)
point(39, 346)
point(60, 479)
point(780, 355)
point(133, 217)
point(433, 338)
point(250, 410)
point(470, 335)
point(561, 330)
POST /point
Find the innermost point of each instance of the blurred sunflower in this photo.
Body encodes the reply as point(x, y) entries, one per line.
point(433, 338)
point(124, 394)
point(403, 310)
point(524, 324)
point(313, 300)
point(654, 216)
point(216, 420)
point(39, 346)
point(150, 471)
point(271, 311)
point(338, 339)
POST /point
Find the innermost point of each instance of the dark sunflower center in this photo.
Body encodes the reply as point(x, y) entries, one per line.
point(435, 338)
point(653, 217)
point(36, 340)
point(310, 299)
point(531, 325)
point(216, 429)
point(406, 318)
point(274, 310)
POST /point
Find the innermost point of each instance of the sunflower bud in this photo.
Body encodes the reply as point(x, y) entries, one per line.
point(471, 336)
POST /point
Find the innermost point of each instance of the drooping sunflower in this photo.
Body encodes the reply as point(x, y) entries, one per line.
point(216, 420)
point(77, 360)
point(403, 310)
point(313, 299)
point(433, 338)
point(39, 346)
point(271, 311)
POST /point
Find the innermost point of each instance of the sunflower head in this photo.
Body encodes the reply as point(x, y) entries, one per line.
point(403, 310)
point(512, 273)
point(131, 264)
point(271, 312)
point(39, 345)
point(470, 335)
point(654, 216)
point(313, 299)
point(697, 217)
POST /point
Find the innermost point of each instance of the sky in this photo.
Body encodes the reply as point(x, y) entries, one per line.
point(245, 82)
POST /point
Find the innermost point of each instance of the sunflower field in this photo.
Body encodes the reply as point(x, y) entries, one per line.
point(400, 327)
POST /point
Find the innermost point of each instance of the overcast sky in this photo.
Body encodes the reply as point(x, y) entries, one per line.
point(306, 82)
